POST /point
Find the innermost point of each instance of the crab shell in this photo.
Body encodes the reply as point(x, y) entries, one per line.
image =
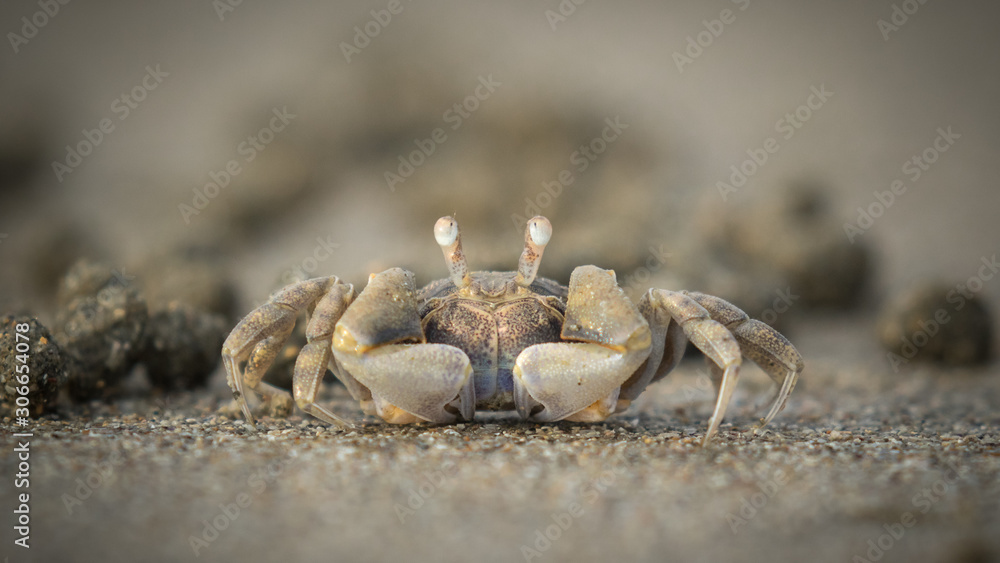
point(493, 321)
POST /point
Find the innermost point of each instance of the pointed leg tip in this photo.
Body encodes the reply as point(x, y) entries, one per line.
point(327, 416)
point(759, 429)
point(713, 429)
point(248, 418)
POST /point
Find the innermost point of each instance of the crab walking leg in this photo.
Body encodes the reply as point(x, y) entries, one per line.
point(709, 336)
point(581, 380)
point(764, 346)
point(665, 352)
point(260, 359)
point(380, 343)
point(252, 339)
point(314, 358)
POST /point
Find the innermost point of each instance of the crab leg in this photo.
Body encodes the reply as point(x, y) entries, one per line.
point(665, 352)
point(259, 337)
point(380, 343)
point(315, 356)
point(764, 346)
point(581, 380)
point(709, 336)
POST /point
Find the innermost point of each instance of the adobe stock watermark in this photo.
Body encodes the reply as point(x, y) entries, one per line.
point(696, 44)
point(913, 168)
point(563, 12)
point(323, 251)
point(432, 482)
point(786, 127)
point(783, 301)
point(455, 116)
point(363, 34)
point(580, 159)
point(694, 392)
point(249, 148)
point(93, 481)
point(898, 17)
point(923, 501)
point(256, 484)
point(225, 7)
point(958, 299)
point(122, 107)
point(635, 283)
point(562, 521)
point(31, 25)
point(3, 236)
point(751, 506)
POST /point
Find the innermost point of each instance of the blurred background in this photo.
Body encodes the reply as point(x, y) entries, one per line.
point(697, 88)
point(810, 162)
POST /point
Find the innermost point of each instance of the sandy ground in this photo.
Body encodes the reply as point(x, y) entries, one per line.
point(865, 463)
point(855, 457)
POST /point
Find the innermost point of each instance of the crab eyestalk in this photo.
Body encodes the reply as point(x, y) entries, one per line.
point(447, 235)
point(536, 236)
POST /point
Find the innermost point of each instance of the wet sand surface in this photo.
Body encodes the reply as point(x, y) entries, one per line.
point(856, 456)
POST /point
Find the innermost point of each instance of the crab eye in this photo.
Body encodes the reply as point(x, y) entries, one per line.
point(446, 234)
point(540, 230)
point(536, 236)
point(445, 231)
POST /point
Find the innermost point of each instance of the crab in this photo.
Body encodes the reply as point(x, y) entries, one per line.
point(497, 341)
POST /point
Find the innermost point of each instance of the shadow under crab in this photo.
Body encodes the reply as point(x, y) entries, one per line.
point(498, 341)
